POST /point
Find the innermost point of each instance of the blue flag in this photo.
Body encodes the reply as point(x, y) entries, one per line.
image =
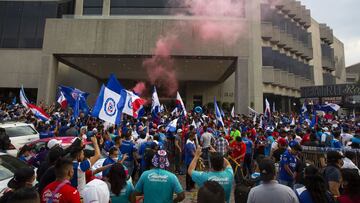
point(218, 114)
point(110, 102)
point(76, 99)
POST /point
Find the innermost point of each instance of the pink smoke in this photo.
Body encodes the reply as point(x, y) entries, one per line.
point(217, 22)
point(139, 88)
point(160, 67)
point(220, 18)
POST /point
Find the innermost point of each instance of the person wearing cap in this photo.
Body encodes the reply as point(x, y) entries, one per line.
point(270, 190)
point(332, 173)
point(281, 148)
point(178, 152)
point(221, 172)
point(81, 164)
point(23, 178)
point(159, 185)
point(288, 163)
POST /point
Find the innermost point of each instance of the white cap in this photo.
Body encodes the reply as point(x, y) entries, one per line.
point(326, 128)
point(179, 131)
point(53, 142)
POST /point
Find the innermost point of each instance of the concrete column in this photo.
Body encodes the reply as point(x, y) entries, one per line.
point(106, 8)
point(79, 6)
point(255, 54)
point(242, 87)
point(47, 86)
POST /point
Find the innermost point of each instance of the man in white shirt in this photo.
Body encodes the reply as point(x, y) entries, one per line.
point(346, 136)
point(349, 161)
point(96, 191)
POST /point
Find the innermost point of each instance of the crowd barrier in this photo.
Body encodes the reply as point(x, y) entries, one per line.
point(317, 155)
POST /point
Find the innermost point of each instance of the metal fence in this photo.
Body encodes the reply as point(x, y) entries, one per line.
point(317, 155)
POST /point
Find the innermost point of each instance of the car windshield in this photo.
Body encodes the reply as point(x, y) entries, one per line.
point(20, 131)
point(8, 165)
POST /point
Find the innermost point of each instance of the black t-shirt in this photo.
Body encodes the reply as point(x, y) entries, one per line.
point(48, 177)
point(277, 153)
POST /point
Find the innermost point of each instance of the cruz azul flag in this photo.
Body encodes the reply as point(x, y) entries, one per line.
point(133, 105)
point(218, 114)
point(38, 112)
point(110, 102)
point(107, 105)
point(23, 99)
point(155, 106)
point(76, 99)
point(180, 104)
point(62, 100)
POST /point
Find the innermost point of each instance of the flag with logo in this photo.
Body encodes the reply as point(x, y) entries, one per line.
point(133, 105)
point(76, 99)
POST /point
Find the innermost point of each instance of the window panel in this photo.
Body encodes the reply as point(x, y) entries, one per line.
point(12, 24)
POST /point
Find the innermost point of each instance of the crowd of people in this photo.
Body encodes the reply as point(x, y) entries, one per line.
point(244, 160)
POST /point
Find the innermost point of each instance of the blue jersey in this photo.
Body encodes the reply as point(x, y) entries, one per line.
point(270, 139)
point(287, 159)
point(303, 195)
point(128, 147)
point(248, 144)
point(336, 144)
point(189, 151)
point(80, 168)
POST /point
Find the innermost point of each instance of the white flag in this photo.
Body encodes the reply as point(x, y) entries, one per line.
point(233, 112)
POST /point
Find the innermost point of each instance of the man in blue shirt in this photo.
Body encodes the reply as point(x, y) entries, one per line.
point(218, 174)
point(159, 185)
point(81, 165)
point(335, 142)
point(269, 140)
point(189, 155)
point(129, 148)
point(248, 154)
point(288, 163)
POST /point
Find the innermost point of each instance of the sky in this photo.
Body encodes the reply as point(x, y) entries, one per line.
point(344, 18)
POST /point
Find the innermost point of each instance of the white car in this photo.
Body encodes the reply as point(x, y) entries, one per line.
point(19, 134)
point(8, 166)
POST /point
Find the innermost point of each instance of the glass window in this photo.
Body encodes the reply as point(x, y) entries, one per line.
point(8, 166)
point(12, 24)
point(93, 7)
point(20, 131)
point(28, 27)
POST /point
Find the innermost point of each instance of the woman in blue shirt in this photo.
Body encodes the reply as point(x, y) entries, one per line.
point(120, 188)
point(314, 188)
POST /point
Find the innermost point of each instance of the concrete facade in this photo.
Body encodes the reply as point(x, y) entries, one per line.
point(82, 51)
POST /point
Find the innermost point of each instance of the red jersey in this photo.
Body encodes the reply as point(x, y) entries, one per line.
point(238, 149)
point(65, 193)
point(305, 138)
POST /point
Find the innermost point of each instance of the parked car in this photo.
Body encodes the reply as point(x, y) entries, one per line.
point(19, 134)
point(8, 166)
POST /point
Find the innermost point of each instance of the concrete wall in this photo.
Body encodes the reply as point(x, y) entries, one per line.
point(70, 77)
point(340, 71)
point(316, 61)
point(23, 67)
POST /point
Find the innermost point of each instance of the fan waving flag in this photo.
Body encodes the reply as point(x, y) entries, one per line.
point(62, 100)
point(38, 112)
point(180, 104)
point(155, 106)
point(23, 99)
point(76, 99)
point(218, 114)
